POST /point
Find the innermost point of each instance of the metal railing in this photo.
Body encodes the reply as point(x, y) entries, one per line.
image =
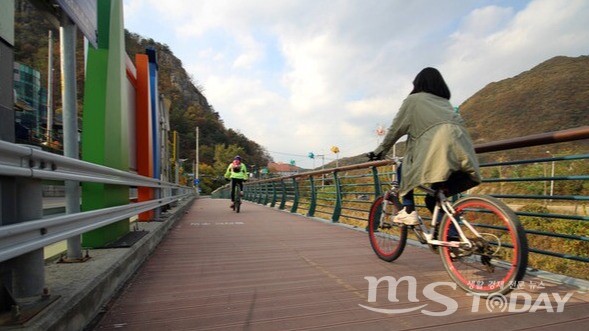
point(23, 237)
point(345, 194)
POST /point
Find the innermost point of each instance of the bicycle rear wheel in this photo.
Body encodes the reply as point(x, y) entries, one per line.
point(496, 262)
point(237, 197)
point(386, 238)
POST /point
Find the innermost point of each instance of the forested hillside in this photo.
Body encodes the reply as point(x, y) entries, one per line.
point(552, 96)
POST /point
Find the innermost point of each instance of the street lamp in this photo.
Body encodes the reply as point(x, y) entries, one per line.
point(335, 150)
point(312, 156)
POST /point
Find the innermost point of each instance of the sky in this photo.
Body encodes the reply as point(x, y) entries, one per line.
point(302, 76)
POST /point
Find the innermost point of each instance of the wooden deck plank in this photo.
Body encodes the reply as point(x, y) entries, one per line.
point(264, 269)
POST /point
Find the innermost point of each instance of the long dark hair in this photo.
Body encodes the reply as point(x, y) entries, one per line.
point(430, 80)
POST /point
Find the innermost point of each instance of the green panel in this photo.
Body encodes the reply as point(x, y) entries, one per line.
point(117, 116)
point(105, 136)
point(93, 132)
point(104, 12)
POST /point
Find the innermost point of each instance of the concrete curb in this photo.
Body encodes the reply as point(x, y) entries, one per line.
point(84, 288)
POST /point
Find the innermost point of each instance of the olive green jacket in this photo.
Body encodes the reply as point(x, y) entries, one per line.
point(438, 145)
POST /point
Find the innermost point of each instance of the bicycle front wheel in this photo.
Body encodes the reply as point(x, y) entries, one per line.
point(498, 259)
point(386, 238)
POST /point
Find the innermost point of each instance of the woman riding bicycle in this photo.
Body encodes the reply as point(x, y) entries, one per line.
point(237, 173)
point(439, 151)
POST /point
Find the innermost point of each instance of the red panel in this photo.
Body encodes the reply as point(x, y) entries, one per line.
point(143, 131)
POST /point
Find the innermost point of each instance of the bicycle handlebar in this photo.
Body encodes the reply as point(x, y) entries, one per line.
point(377, 157)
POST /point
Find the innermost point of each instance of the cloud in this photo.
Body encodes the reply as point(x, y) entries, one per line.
point(497, 43)
point(303, 75)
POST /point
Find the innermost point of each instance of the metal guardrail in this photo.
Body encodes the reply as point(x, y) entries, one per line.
point(25, 161)
point(346, 194)
point(24, 237)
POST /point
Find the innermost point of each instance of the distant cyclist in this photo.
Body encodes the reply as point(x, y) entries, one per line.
point(439, 149)
point(237, 173)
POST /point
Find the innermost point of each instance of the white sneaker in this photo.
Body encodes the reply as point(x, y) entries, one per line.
point(405, 218)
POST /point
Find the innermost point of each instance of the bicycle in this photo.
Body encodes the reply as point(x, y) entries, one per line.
point(480, 240)
point(236, 197)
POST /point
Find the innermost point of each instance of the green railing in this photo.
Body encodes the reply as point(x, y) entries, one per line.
point(538, 176)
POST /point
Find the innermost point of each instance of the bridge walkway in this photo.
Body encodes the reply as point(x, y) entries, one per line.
point(265, 269)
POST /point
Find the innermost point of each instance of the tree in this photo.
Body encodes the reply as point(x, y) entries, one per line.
point(209, 178)
point(224, 155)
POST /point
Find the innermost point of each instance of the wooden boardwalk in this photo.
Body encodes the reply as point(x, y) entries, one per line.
point(264, 269)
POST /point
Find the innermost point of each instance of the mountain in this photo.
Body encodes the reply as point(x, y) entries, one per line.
point(552, 96)
point(189, 108)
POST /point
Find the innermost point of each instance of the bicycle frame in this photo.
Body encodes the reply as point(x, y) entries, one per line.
point(236, 192)
point(443, 205)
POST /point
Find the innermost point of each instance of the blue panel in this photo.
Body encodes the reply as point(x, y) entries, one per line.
point(155, 111)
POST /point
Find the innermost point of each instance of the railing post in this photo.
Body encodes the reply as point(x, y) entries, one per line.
point(274, 196)
point(376, 180)
point(265, 201)
point(283, 199)
point(313, 202)
point(253, 196)
point(253, 193)
point(260, 194)
point(337, 209)
point(24, 276)
point(248, 192)
point(67, 34)
point(295, 203)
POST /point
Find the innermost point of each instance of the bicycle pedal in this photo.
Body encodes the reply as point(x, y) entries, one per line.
point(486, 261)
point(386, 225)
point(454, 252)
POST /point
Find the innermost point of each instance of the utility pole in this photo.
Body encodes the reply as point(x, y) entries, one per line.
point(49, 138)
point(175, 157)
point(196, 174)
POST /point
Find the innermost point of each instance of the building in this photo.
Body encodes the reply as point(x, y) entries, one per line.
point(282, 169)
point(30, 104)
